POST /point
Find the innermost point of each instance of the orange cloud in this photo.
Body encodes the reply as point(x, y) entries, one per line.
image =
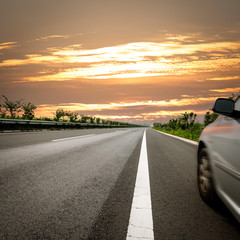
point(224, 78)
point(53, 36)
point(99, 107)
point(150, 117)
point(172, 113)
point(30, 59)
point(135, 70)
point(139, 50)
point(49, 109)
point(226, 90)
point(7, 45)
point(133, 60)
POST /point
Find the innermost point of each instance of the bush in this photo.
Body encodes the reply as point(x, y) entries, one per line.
point(186, 126)
point(59, 113)
point(72, 116)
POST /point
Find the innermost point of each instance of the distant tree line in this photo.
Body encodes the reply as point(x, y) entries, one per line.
point(12, 109)
point(60, 115)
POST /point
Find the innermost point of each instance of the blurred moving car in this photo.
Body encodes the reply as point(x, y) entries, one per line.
point(219, 157)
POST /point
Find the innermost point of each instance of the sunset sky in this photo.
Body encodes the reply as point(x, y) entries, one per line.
point(133, 61)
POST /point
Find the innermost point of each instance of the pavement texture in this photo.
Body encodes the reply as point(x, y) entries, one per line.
point(82, 188)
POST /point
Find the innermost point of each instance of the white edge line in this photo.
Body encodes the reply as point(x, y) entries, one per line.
point(180, 138)
point(82, 136)
point(141, 221)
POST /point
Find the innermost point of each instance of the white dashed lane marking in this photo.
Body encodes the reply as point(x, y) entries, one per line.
point(63, 139)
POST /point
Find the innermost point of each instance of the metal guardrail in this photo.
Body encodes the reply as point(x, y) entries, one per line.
point(36, 123)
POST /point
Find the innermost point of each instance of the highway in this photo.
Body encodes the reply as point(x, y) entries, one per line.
point(81, 184)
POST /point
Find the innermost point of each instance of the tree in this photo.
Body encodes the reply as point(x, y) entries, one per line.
point(28, 109)
point(92, 119)
point(83, 118)
point(209, 118)
point(2, 111)
point(72, 116)
point(234, 96)
point(59, 113)
point(98, 120)
point(187, 120)
point(191, 118)
point(13, 107)
point(172, 123)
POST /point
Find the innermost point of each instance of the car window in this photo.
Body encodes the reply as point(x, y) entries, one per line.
point(237, 105)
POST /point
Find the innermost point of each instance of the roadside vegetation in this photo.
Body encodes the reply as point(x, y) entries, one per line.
point(19, 109)
point(186, 126)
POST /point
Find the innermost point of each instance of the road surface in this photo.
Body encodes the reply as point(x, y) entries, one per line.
point(80, 184)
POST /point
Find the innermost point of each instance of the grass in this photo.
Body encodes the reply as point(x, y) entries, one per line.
point(192, 135)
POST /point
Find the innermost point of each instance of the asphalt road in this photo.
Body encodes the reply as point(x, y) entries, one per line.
point(79, 184)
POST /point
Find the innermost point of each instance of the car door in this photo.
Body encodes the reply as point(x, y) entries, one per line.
point(227, 158)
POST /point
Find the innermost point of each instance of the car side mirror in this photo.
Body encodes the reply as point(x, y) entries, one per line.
point(224, 106)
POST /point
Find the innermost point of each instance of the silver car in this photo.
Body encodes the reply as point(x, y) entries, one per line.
point(219, 157)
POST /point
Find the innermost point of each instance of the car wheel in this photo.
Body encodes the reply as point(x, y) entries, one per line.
point(205, 181)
